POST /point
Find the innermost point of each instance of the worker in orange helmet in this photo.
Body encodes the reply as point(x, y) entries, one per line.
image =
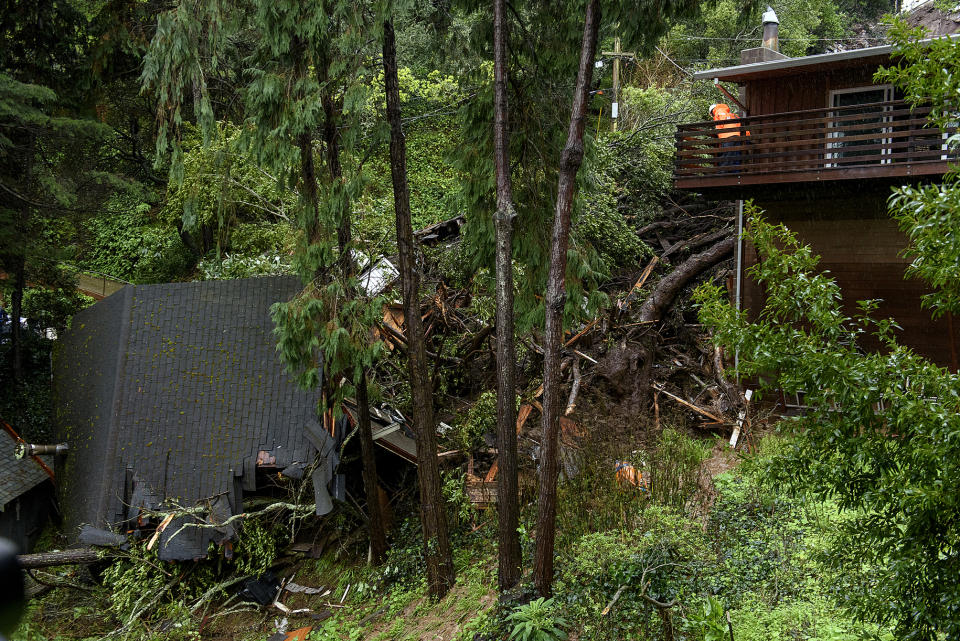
point(729, 133)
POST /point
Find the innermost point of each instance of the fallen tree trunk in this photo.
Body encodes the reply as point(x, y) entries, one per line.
point(79, 556)
point(695, 243)
point(671, 284)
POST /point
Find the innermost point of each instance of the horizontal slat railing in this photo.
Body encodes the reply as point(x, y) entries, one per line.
point(886, 137)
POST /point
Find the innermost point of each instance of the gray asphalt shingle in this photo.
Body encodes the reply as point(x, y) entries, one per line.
point(179, 383)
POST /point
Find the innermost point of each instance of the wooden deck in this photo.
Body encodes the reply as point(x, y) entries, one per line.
point(871, 141)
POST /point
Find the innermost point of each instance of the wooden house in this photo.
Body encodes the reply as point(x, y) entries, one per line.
point(826, 144)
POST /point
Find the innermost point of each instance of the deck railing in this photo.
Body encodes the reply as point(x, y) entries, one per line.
point(835, 143)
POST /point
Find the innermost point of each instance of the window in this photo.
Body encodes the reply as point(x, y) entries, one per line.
point(857, 126)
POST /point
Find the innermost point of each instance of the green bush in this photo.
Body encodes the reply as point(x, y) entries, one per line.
point(602, 224)
point(260, 238)
point(537, 621)
point(238, 266)
point(708, 622)
point(53, 307)
point(662, 558)
point(481, 419)
point(128, 243)
point(675, 468)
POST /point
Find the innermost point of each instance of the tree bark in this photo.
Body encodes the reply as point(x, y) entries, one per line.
point(507, 494)
point(16, 311)
point(331, 136)
point(570, 161)
point(308, 176)
point(671, 284)
point(436, 543)
point(66, 557)
point(378, 538)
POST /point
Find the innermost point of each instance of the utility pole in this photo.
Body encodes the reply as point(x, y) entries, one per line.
point(616, 54)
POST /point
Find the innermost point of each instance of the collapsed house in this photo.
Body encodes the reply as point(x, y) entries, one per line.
point(173, 396)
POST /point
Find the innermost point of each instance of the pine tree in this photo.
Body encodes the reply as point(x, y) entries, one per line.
point(305, 78)
point(642, 23)
point(570, 161)
point(436, 541)
point(48, 148)
point(508, 508)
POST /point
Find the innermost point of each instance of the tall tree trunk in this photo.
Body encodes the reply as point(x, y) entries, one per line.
point(308, 176)
point(507, 498)
point(378, 538)
point(436, 542)
point(16, 310)
point(570, 161)
point(331, 136)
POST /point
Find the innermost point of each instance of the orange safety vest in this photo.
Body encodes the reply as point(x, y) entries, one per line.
point(722, 112)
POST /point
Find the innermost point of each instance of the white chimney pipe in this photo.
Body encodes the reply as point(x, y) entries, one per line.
point(771, 29)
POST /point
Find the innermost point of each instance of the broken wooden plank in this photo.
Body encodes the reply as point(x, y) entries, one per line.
point(640, 282)
point(492, 472)
point(299, 634)
point(740, 418)
point(522, 415)
point(480, 493)
point(583, 331)
point(688, 404)
point(574, 389)
point(585, 357)
point(160, 528)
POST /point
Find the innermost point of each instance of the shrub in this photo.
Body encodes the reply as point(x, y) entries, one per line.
point(675, 468)
point(480, 419)
point(537, 621)
point(662, 558)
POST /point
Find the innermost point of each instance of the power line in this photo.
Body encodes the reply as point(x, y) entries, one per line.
point(851, 39)
point(671, 60)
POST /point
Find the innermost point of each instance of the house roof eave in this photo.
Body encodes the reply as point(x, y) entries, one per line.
point(787, 66)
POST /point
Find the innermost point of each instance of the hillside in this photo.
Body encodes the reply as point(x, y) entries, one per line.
point(542, 393)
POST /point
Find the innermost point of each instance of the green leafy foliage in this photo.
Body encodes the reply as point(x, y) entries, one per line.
point(716, 38)
point(537, 621)
point(930, 213)
point(659, 556)
point(53, 308)
point(602, 225)
point(325, 332)
point(127, 242)
point(676, 467)
point(480, 419)
point(708, 622)
point(144, 590)
point(28, 406)
point(222, 188)
point(898, 549)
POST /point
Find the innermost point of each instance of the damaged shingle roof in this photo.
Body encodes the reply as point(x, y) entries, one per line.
point(17, 476)
point(167, 393)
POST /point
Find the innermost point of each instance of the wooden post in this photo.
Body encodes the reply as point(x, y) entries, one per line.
point(616, 86)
